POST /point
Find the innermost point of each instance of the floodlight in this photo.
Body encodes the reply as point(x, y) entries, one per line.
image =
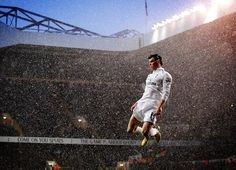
point(222, 2)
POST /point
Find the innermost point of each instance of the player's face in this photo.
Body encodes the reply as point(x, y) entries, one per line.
point(153, 64)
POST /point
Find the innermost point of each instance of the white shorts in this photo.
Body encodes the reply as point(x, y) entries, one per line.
point(143, 112)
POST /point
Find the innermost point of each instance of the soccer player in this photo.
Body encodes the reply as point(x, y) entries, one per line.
point(148, 109)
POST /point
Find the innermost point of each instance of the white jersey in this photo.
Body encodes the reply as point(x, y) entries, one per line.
point(157, 88)
point(158, 85)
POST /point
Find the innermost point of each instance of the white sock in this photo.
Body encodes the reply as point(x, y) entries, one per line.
point(138, 129)
point(153, 132)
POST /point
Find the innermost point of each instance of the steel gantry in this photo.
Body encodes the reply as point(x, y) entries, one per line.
point(26, 20)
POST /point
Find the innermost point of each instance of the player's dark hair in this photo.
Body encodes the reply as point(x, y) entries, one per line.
point(156, 57)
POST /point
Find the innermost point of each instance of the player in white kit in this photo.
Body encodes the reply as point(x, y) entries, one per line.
point(148, 108)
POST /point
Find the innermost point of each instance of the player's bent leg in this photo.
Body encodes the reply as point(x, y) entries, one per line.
point(156, 133)
point(146, 128)
point(133, 123)
point(158, 137)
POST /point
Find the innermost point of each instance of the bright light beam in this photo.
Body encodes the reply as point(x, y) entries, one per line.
point(222, 2)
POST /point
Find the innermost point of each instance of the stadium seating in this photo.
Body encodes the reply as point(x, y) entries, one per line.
point(45, 88)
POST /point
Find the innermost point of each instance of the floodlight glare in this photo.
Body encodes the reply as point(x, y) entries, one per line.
point(200, 8)
point(175, 17)
point(212, 14)
point(222, 2)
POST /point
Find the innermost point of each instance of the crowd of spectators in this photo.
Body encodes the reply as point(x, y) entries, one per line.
point(46, 89)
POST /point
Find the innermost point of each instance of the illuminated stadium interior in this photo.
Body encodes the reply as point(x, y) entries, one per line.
point(68, 108)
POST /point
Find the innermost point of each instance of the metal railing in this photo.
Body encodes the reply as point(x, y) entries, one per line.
point(25, 20)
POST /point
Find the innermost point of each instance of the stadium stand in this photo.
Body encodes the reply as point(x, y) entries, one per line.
point(45, 89)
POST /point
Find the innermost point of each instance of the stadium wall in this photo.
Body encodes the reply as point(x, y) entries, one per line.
point(10, 36)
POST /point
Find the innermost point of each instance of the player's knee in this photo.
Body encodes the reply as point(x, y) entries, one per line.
point(131, 129)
